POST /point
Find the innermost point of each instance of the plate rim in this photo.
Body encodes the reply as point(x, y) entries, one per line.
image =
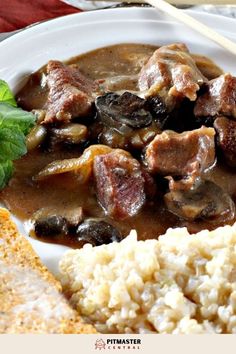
point(100, 12)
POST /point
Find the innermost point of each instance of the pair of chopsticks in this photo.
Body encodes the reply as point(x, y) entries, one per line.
point(192, 22)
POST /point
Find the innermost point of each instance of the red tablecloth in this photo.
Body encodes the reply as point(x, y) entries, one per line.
point(15, 14)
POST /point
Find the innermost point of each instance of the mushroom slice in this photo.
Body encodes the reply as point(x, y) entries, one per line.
point(82, 165)
point(98, 232)
point(72, 133)
point(72, 215)
point(206, 201)
point(125, 112)
point(36, 137)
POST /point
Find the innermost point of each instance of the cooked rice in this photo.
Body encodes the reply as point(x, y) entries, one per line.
point(179, 284)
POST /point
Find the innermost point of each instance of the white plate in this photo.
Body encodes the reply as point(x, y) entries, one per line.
point(71, 35)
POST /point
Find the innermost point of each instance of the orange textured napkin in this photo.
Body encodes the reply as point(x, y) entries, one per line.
point(16, 14)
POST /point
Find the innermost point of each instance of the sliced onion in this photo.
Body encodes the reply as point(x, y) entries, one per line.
point(82, 165)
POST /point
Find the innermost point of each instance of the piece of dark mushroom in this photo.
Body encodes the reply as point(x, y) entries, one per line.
point(206, 201)
point(127, 110)
point(127, 121)
point(48, 222)
point(97, 232)
point(50, 226)
point(158, 110)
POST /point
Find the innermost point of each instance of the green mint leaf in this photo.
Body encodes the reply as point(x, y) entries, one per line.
point(6, 95)
point(15, 124)
point(6, 169)
point(12, 143)
point(16, 117)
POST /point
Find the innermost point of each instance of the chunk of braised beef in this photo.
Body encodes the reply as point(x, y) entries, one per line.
point(50, 226)
point(171, 73)
point(226, 139)
point(206, 201)
point(184, 155)
point(120, 184)
point(126, 110)
point(70, 93)
point(97, 232)
point(219, 98)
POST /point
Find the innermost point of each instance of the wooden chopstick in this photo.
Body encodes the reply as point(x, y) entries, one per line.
point(194, 24)
point(191, 22)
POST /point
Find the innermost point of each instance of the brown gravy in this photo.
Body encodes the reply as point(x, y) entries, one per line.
point(24, 197)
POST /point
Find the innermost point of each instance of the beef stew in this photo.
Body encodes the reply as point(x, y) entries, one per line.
point(97, 151)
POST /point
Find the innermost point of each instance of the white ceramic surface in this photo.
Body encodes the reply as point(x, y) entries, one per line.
point(67, 36)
